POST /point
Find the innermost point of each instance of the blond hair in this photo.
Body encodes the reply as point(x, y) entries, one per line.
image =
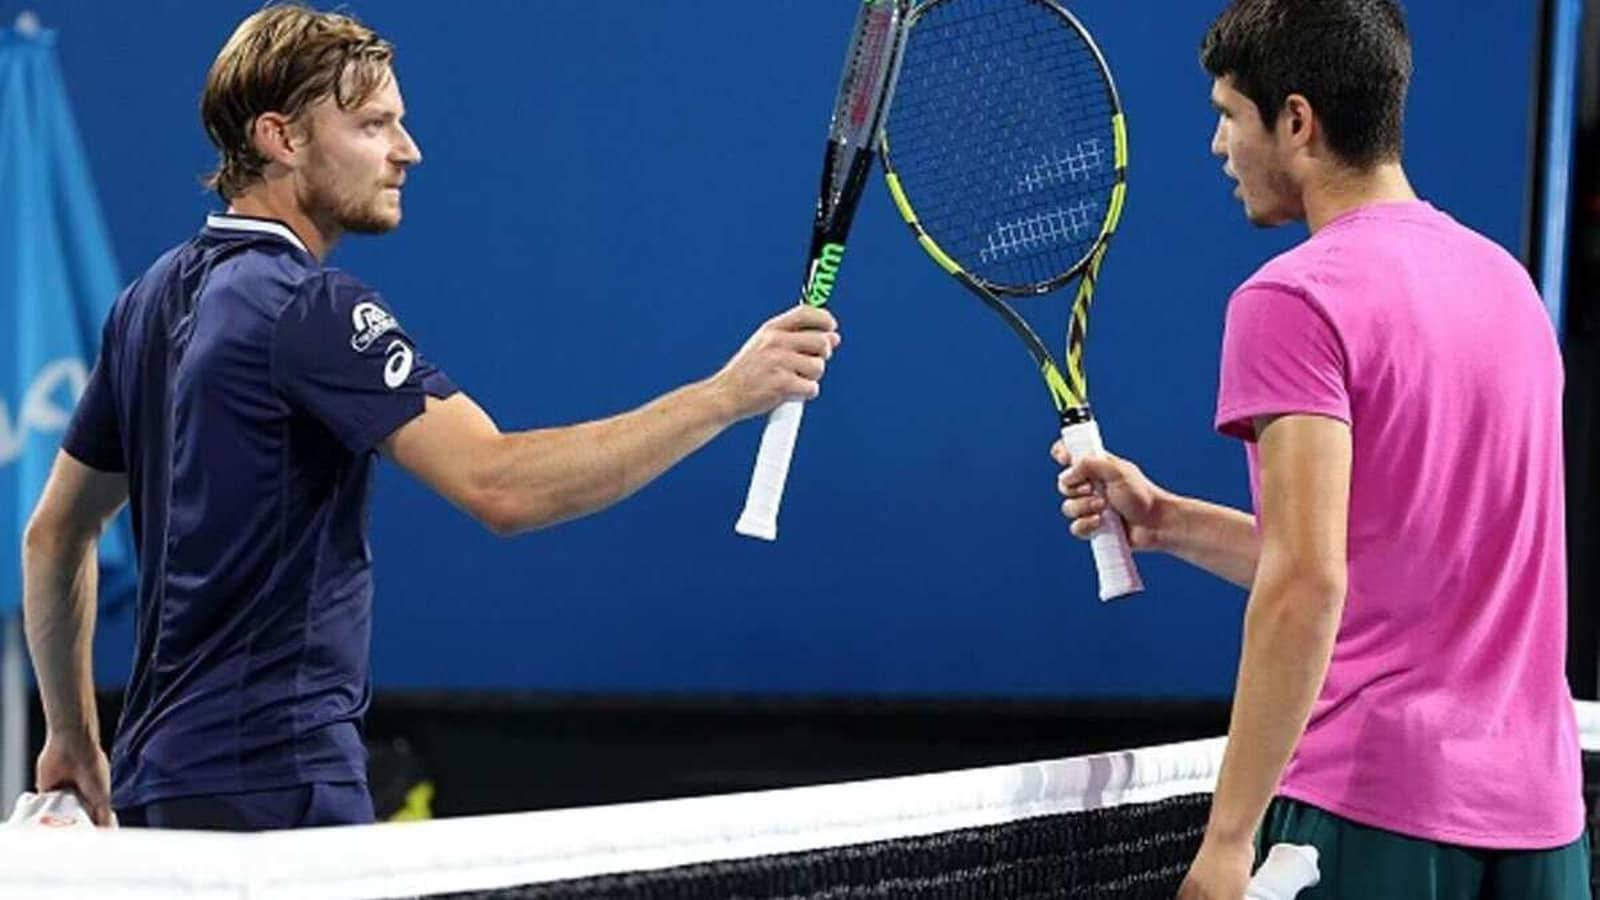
point(283, 59)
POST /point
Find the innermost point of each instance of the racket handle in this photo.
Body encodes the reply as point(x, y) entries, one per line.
point(760, 516)
point(1288, 870)
point(1113, 558)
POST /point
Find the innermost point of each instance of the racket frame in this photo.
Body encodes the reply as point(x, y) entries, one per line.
point(835, 213)
point(1068, 386)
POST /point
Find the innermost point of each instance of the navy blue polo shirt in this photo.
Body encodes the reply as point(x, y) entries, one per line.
point(243, 388)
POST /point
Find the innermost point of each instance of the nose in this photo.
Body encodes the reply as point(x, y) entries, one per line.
point(407, 153)
point(1219, 138)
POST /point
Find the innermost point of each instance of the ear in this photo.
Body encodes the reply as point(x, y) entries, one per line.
point(1297, 122)
point(277, 137)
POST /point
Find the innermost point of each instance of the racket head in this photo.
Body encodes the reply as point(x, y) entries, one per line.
point(1006, 147)
point(863, 96)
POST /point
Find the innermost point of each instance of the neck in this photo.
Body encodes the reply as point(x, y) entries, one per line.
point(1332, 195)
point(269, 202)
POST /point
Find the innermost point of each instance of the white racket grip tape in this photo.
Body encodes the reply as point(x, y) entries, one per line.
point(1113, 558)
point(760, 516)
point(1288, 870)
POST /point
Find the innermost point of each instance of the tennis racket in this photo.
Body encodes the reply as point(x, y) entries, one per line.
point(1006, 152)
point(864, 92)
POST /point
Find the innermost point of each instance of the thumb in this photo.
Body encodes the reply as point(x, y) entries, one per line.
point(1106, 468)
point(95, 802)
point(805, 318)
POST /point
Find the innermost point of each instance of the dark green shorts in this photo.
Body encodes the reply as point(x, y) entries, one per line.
point(1363, 863)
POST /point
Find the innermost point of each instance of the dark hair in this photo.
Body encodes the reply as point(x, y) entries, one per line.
point(283, 59)
point(1350, 58)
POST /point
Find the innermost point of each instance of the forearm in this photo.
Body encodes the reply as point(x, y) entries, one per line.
point(1219, 539)
point(1289, 633)
point(60, 575)
point(550, 475)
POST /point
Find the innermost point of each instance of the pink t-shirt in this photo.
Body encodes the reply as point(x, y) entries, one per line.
point(1446, 712)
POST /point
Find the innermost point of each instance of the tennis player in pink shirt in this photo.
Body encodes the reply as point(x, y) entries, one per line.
point(1401, 703)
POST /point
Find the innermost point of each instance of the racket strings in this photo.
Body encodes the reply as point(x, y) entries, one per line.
point(855, 111)
point(1001, 134)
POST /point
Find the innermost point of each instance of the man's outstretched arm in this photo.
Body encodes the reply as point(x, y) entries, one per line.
point(520, 481)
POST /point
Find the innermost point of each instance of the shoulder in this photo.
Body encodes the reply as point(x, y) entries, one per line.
point(258, 276)
point(1290, 299)
point(329, 285)
point(1332, 273)
point(1293, 272)
point(272, 275)
point(165, 268)
point(1288, 279)
point(148, 287)
point(1491, 252)
point(335, 297)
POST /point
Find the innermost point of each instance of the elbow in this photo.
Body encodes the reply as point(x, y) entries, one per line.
point(484, 491)
point(50, 540)
point(497, 512)
point(508, 501)
point(32, 535)
point(40, 536)
point(501, 528)
point(506, 512)
point(1309, 595)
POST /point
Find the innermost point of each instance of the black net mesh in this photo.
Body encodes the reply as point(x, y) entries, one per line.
point(1125, 852)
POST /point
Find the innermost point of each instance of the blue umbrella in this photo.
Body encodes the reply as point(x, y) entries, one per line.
point(58, 280)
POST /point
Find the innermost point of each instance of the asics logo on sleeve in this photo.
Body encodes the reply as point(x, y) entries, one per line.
point(371, 322)
point(398, 367)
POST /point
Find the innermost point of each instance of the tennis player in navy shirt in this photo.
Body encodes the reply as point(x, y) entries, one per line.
point(241, 396)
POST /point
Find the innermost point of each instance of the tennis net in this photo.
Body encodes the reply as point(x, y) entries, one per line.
point(1114, 825)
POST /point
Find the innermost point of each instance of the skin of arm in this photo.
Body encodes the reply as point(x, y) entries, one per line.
point(516, 482)
point(60, 577)
point(1218, 539)
point(521, 481)
point(1291, 624)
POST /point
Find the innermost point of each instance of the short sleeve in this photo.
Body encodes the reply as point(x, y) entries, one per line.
point(94, 435)
point(340, 356)
point(1280, 356)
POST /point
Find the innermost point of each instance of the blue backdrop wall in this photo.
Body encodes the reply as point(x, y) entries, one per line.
point(614, 194)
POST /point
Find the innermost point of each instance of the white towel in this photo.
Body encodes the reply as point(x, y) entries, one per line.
point(51, 809)
point(1288, 870)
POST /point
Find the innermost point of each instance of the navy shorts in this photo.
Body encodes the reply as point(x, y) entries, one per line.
point(303, 806)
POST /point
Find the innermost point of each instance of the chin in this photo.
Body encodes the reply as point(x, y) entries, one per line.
point(372, 223)
point(1267, 219)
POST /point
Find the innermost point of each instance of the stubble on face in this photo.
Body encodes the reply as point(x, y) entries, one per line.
point(358, 159)
point(1263, 186)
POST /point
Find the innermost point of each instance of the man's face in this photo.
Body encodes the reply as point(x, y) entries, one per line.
point(357, 160)
point(1253, 158)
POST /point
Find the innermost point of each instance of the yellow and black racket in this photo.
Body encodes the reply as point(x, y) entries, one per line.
point(1006, 152)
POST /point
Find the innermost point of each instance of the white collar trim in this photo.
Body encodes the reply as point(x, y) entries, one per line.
point(260, 226)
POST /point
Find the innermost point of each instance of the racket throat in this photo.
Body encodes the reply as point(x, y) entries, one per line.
point(820, 277)
point(1068, 397)
point(1076, 415)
